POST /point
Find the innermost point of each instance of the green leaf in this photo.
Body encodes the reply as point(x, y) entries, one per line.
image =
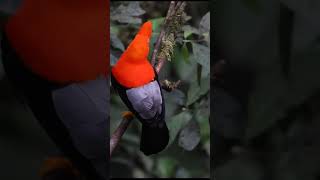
point(171, 106)
point(195, 91)
point(176, 97)
point(201, 54)
point(184, 70)
point(153, 40)
point(156, 24)
point(138, 173)
point(113, 59)
point(190, 136)
point(185, 53)
point(202, 117)
point(120, 160)
point(182, 173)
point(204, 26)
point(128, 14)
point(131, 138)
point(206, 146)
point(188, 30)
point(114, 29)
point(205, 85)
point(176, 123)
point(166, 166)
point(147, 161)
point(116, 42)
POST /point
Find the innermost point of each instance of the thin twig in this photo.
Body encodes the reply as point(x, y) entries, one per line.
point(117, 134)
point(179, 3)
point(169, 86)
point(160, 64)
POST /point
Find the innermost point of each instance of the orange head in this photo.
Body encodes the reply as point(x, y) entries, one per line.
point(133, 68)
point(61, 41)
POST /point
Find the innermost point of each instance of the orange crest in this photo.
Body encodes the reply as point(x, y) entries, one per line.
point(133, 68)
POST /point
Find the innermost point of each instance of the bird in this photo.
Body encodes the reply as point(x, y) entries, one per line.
point(54, 53)
point(137, 84)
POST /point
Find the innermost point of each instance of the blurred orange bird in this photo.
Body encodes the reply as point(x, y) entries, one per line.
point(62, 41)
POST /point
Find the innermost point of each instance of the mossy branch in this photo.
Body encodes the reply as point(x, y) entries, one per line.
point(166, 41)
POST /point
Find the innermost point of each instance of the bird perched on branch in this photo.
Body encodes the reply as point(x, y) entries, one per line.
point(137, 84)
point(55, 54)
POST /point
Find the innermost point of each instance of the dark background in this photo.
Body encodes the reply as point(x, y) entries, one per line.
point(23, 143)
point(265, 99)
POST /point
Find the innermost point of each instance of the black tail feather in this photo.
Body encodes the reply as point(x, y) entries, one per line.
point(154, 137)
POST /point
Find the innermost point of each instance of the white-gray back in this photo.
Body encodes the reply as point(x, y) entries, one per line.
point(146, 100)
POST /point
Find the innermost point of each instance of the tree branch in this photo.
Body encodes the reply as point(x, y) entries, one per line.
point(174, 7)
point(117, 134)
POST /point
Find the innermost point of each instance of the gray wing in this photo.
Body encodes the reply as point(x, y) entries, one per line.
point(84, 110)
point(146, 100)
